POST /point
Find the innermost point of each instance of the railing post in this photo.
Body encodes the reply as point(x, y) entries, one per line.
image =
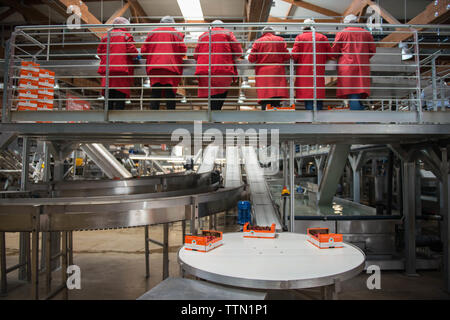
point(418, 84)
point(108, 42)
point(209, 74)
point(291, 82)
point(433, 82)
point(8, 78)
point(314, 75)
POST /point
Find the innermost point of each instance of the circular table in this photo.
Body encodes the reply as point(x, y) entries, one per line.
point(287, 262)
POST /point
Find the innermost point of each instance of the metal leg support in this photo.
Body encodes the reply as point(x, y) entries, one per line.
point(147, 254)
point(166, 251)
point(3, 279)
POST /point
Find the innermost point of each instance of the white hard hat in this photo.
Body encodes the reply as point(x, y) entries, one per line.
point(121, 20)
point(167, 19)
point(351, 18)
point(267, 29)
point(308, 21)
point(217, 22)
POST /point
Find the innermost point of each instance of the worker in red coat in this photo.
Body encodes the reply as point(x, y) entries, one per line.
point(302, 53)
point(225, 49)
point(164, 49)
point(270, 55)
point(122, 53)
point(354, 47)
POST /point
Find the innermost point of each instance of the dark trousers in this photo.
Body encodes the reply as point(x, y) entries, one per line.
point(354, 102)
point(274, 102)
point(157, 92)
point(114, 104)
point(217, 100)
point(309, 105)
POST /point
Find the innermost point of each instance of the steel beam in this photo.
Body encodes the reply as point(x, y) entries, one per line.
point(335, 167)
point(291, 187)
point(409, 215)
point(445, 213)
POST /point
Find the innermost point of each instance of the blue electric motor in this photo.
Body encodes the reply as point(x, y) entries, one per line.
point(244, 212)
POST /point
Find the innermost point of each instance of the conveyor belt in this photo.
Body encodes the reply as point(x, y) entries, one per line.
point(263, 209)
point(233, 176)
point(209, 157)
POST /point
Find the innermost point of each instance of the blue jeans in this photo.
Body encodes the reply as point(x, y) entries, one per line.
point(309, 105)
point(354, 102)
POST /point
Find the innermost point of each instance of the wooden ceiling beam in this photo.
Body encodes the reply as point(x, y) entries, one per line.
point(28, 12)
point(119, 12)
point(7, 13)
point(290, 12)
point(435, 12)
point(257, 11)
point(319, 20)
point(313, 7)
point(140, 12)
point(383, 13)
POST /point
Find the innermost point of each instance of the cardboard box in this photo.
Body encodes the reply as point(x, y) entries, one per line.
point(322, 239)
point(259, 231)
point(27, 105)
point(204, 242)
point(28, 84)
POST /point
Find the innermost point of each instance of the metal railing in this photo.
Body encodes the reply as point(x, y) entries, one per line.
point(398, 80)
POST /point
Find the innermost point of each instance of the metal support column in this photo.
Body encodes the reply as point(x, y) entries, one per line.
point(3, 279)
point(165, 250)
point(409, 215)
point(356, 163)
point(35, 255)
point(64, 263)
point(147, 254)
point(445, 213)
point(291, 186)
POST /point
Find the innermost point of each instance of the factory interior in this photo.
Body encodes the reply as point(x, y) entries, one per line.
point(267, 166)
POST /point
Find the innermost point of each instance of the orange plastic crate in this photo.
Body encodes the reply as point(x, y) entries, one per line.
point(322, 239)
point(250, 232)
point(204, 242)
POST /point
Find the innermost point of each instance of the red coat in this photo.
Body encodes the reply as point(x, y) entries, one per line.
point(302, 53)
point(346, 44)
point(164, 50)
point(270, 49)
point(224, 50)
point(120, 63)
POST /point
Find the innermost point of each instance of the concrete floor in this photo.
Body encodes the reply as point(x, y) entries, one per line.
point(113, 267)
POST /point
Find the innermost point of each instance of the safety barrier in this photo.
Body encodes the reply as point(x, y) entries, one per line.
point(405, 81)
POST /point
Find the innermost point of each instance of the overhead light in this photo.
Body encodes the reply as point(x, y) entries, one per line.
point(128, 102)
point(406, 52)
point(147, 83)
point(101, 98)
point(191, 9)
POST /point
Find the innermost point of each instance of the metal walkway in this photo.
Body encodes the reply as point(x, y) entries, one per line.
point(263, 209)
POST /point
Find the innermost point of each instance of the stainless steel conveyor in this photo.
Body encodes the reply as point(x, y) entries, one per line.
point(263, 209)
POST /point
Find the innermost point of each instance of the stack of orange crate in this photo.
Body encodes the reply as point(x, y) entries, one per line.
point(46, 89)
point(28, 86)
